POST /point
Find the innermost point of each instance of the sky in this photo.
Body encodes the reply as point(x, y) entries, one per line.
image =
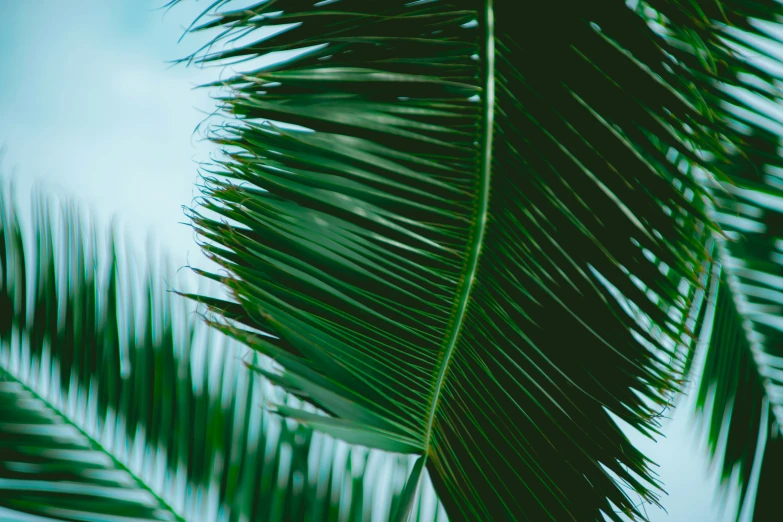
point(92, 110)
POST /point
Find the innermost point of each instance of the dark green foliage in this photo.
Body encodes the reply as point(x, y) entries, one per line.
point(475, 231)
point(732, 392)
point(739, 387)
point(109, 366)
point(50, 468)
point(739, 66)
point(485, 233)
point(60, 356)
point(765, 504)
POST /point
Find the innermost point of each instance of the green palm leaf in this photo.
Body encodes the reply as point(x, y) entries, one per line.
point(111, 410)
point(44, 456)
point(473, 231)
point(739, 392)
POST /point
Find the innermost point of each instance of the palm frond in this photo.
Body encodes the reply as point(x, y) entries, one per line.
point(475, 231)
point(113, 409)
point(738, 54)
point(740, 387)
point(51, 468)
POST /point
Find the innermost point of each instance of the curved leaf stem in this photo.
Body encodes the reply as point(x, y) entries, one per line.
point(96, 445)
point(480, 218)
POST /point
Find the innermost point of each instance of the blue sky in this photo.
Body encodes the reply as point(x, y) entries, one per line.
point(90, 109)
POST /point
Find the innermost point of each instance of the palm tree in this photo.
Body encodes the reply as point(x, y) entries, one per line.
point(478, 233)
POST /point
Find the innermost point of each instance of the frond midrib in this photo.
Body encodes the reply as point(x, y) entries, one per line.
point(118, 464)
point(480, 217)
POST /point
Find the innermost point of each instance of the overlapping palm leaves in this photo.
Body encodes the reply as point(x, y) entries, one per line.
point(475, 231)
point(111, 409)
point(479, 232)
point(740, 387)
point(740, 390)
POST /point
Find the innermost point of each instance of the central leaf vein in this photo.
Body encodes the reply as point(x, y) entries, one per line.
point(470, 268)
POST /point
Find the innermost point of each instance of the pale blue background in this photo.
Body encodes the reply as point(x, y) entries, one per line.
point(90, 109)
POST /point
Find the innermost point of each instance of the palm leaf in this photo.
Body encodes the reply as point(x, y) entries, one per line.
point(739, 393)
point(44, 456)
point(112, 410)
point(473, 231)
